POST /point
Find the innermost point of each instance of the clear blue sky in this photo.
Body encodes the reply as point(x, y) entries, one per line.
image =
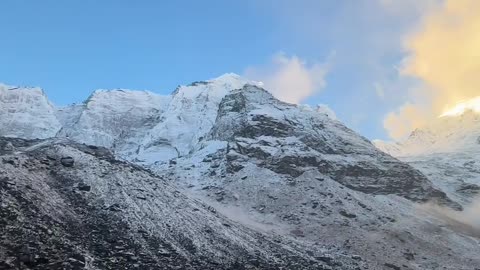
point(70, 48)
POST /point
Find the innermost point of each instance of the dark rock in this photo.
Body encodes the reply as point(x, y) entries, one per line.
point(362, 205)
point(346, 214)
point(8, 161)
point(164, 252)
point(392, 266)
point(8, 147)
point(45, 161)
point(42, 260)
point(273, 197)
point(114, 208)
point(409, 256)
point(356, 257)
point(297, 232)
point(469, 189)
point(84, 187)
point(326, 259)
point(67, 161)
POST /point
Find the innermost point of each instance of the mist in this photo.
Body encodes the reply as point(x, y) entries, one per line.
point(466, 221)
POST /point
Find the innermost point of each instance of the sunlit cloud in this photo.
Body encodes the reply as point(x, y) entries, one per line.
point(443, 53)
point(405, 120)
point(469, 105)
point(367, 37)
point(290, 78)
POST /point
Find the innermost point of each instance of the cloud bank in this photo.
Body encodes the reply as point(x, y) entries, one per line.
point(290, 78)
point(443, 54)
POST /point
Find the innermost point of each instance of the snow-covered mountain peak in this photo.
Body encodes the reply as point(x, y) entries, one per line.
point(117, 91)
point(228, 77)
point(448, 133)
point(217, 87)
point(6, 87)
point(110, 117)
point(124, 99)
point(233, 79)
point(26, 113)
point(233, 144)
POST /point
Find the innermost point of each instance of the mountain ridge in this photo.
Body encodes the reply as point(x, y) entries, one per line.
point(449, 133)
point(270, 166)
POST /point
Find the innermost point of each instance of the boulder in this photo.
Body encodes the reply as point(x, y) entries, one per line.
point(67, 161)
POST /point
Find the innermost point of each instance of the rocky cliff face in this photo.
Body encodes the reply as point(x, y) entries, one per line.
point(290, 141)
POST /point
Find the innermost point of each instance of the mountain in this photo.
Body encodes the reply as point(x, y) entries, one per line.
point(447, 151)
point(145, 126)
point(269, 168)
point(153, 129)
point(449, 133)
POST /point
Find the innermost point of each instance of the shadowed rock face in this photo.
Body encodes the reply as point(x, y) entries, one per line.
point(101, 213)
point(289, 141)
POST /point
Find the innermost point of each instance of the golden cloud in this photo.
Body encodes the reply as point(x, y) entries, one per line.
point(444, 53)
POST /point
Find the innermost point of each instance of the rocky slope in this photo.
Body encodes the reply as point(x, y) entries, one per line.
point(71, 206)
point(268, 168)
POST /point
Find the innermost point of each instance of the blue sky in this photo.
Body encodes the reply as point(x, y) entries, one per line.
point(70, 48)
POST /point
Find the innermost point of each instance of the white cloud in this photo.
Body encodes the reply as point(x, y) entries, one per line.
point(290, 78)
